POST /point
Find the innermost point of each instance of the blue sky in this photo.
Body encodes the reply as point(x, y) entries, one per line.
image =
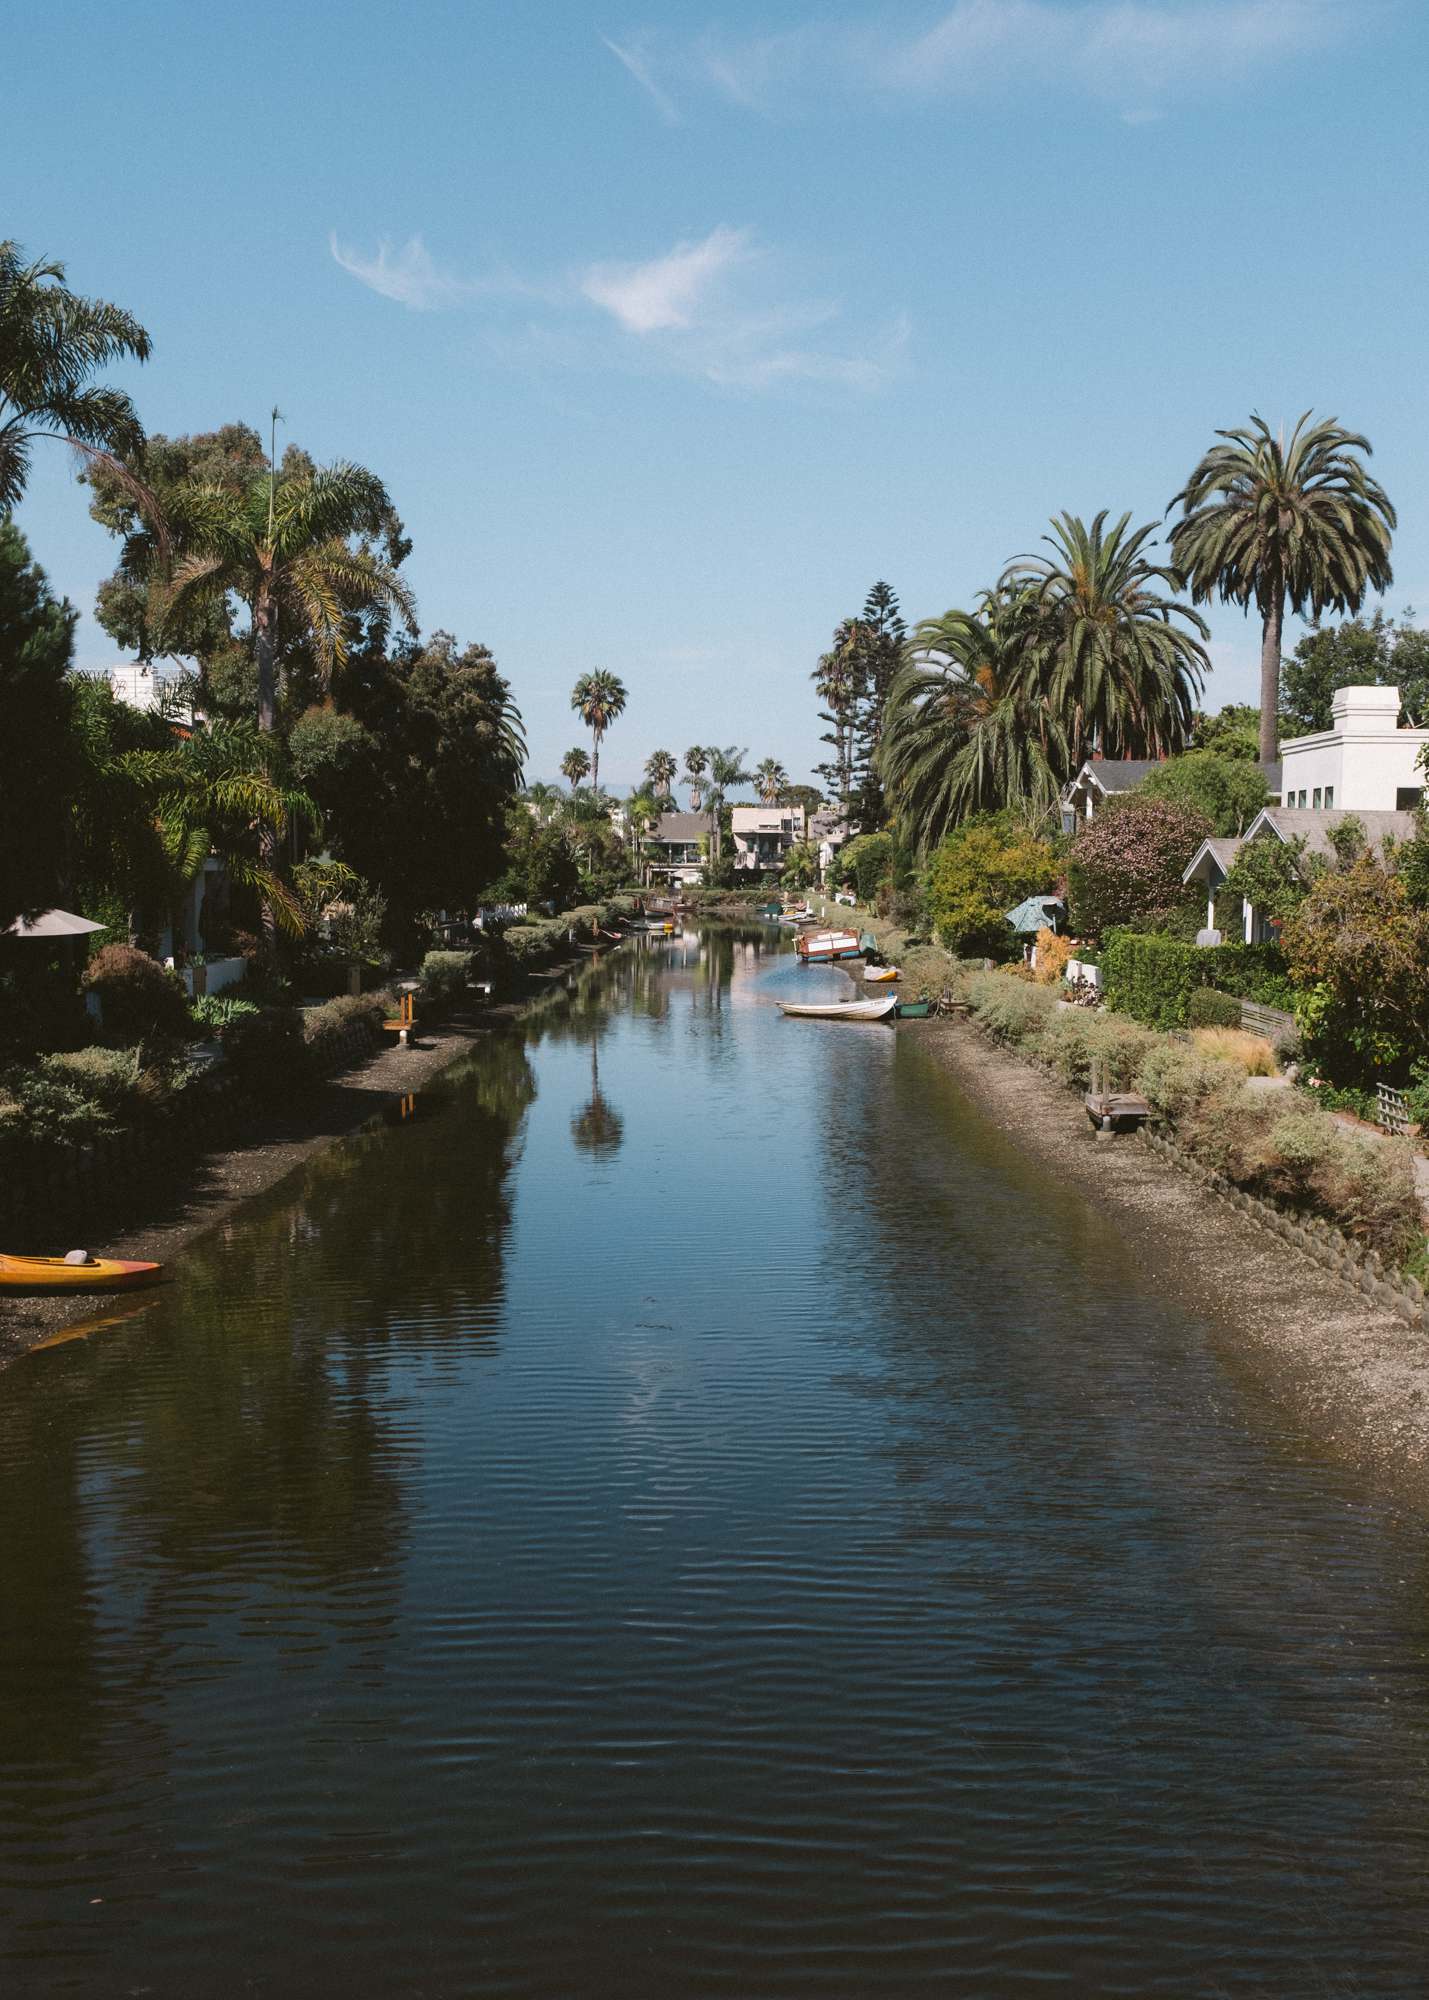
point(671, 329)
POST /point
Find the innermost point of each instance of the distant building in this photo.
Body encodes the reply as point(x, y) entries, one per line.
point(763, 835)
point(675, 848)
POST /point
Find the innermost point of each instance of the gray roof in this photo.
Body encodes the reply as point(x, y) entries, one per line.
point(1222, 848)
point(1119, 774)
point(1300, 823)
point(681, 826)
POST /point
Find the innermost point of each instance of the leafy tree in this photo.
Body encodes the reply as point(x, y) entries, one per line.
point(807, 796)
point(1361, 652)
point(1126, 866)
point(1359, 946)
point(980, 871)
point(801, 865)
point(642, 814)
point(541, 866)
point(52, 341)
point(1273, 876)
point(866, 862)
point(598, 698)
point(1227, 791)
point(1115, 670)
point(660, 769)
point(575, 767)
point(37, 751)
point(1233, 731)
point(726, 774)
point(1301, 524)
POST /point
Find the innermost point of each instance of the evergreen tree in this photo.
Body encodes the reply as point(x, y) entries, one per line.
point(37, 747)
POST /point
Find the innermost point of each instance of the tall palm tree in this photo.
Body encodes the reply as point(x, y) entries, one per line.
point(696, 764)
point(598, 698)
point(641, 814)
point(726, 774)
point(772, 780)
point(575, 767)
point(966, 727)
point(51, 342)
point(1117, 671)
point(289, 548)
point(660, 769)
point(1301, 524)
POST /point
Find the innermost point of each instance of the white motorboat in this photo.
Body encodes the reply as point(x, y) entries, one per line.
point(841, 1010)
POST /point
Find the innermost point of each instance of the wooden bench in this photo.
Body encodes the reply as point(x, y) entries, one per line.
point(404, 1021)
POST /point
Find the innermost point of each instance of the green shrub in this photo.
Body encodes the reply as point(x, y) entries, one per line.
point(335, 1017)
point(444, 977)
point(266, 1051)
point(141, 999)
point(1075, 1040)
point(113, 1079)
point(42, 1115)
point(1149, 976)
point(1210, 1008)
point(217, 1012)
point(982, 870)
point(1009, 1007)
point(1174, 1078)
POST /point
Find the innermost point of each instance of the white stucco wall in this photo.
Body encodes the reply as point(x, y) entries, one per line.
point(1364, 759)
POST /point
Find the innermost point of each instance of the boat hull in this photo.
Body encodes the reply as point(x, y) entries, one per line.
point(880, 975)
point(840, 1010)
point(53, 1274)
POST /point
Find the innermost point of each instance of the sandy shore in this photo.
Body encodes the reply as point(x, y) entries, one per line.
point(171, 1209)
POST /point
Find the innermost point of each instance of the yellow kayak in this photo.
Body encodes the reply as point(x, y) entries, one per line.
point(880, 975)
point(60, 1274)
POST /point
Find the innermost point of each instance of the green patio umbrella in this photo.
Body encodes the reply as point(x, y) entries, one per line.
point(1038, 913)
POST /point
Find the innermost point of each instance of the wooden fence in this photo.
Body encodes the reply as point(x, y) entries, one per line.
point(1271, 1022)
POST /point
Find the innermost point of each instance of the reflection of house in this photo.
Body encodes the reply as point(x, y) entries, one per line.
point(1363, 763)
point(675, 848)
point(1103, 778)
point(1211, 862)
point(763, 835)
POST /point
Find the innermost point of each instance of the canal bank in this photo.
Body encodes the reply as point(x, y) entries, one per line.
point(1344, 1364)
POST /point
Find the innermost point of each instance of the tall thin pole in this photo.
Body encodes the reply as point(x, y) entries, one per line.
point(272, 466)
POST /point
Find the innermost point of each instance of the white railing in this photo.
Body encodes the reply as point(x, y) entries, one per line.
point(501, 913)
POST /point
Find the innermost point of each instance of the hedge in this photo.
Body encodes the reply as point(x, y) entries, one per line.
point(1153, 977)
point(1210, 1008)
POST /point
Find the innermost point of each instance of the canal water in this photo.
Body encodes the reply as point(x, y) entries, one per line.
point(692, 1510)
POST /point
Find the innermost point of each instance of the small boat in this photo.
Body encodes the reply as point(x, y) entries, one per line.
point(841, 1010)
point(915, 1010)
point(75, 1273)
point(881, 975)
point(821, 946)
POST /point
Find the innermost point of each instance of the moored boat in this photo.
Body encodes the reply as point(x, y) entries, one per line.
point(73, 1274)
point(821, 946)
point(841, 1010)
point(881, 975)
point(914, 1010)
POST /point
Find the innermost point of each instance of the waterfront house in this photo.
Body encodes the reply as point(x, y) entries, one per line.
point(828, 831)
point(1211, 862)
point(763, 835)
point(1103, 778)
point(675, 849)
point(1364, 762)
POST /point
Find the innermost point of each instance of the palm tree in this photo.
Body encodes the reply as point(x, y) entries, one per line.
point(598, 698)
point(575, 767)
point(696, 764)
point(772, 780)
point(727, 774)
point(51, 342)
point(967, 727)
point(1117, 672)
point(660, 769)
point(1300, 523)
point(642, 813)
point(285, 547)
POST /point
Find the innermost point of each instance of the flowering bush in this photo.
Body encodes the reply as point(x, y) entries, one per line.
point(1126, 866)
point(140, 999)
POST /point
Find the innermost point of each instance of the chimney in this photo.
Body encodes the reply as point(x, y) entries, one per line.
point(1365, 711)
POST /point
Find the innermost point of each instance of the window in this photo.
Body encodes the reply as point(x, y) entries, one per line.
point(1329, 798)
point(1317, 798)
point(1409, 798)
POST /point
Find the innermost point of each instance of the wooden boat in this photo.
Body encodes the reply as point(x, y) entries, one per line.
point(58, 1274)
point(881, 975)
point(915, 1010)
point(842, 1010)
point(821, 946)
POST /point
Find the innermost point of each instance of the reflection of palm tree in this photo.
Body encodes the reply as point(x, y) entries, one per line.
point(599, 1127)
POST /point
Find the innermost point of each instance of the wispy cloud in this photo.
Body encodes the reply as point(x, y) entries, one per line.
point(633, 56)
point(718, 307)
point(1131, 54)
point(668, 291)
point(407, 275)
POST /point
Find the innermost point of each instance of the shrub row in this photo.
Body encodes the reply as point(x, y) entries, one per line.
point(1153, 977)
point(1274, 1144)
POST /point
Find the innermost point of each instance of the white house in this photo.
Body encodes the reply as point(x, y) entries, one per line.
point(1363, 763)
point(1103, 778)
point(763, 835)
point(1211, 862)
